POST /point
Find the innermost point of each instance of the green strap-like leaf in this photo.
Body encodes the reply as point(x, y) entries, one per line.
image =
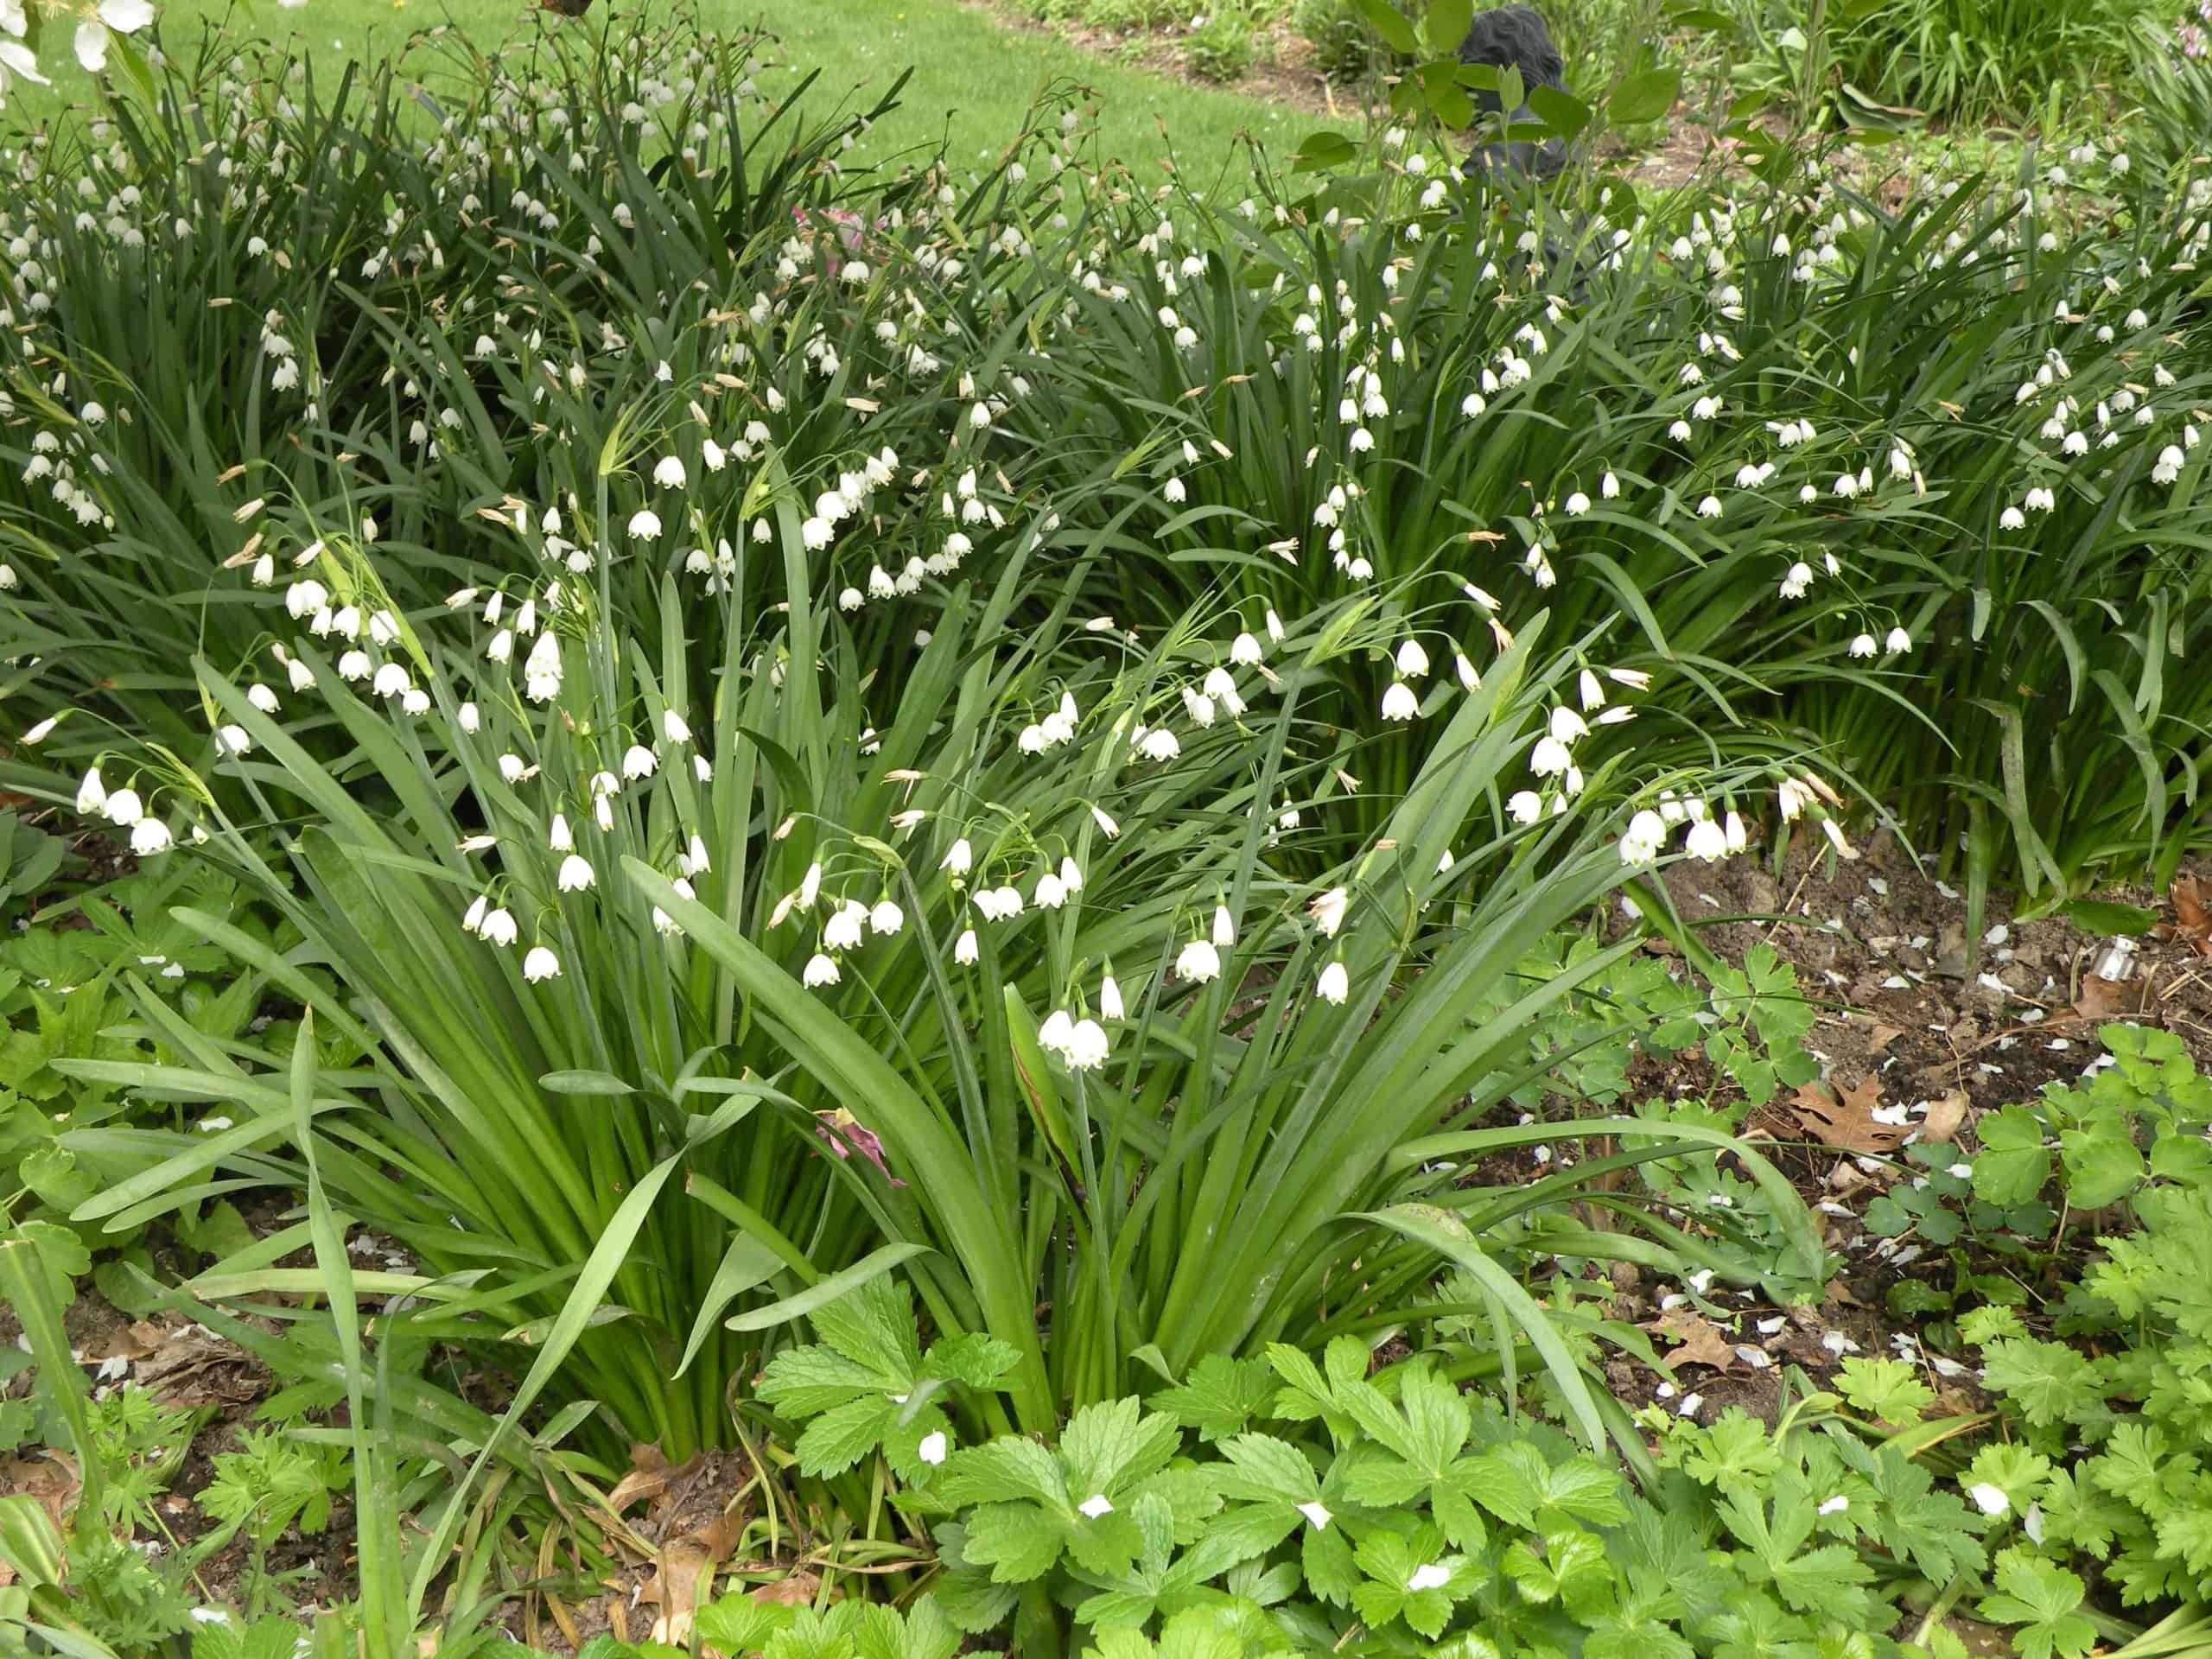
point(1428, 1227)
point(824, 1291)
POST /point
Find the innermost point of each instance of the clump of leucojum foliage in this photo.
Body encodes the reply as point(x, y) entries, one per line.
point(1919, 481)
point(1835, 469)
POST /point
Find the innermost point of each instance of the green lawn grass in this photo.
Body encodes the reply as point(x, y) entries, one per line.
point(973, 74)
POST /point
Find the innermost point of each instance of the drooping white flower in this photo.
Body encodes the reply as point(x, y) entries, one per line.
point(674, 728)
point(124, 808)
point(959, 858)
point(844, 929)
point(645, 525)
point(1334, 984)
point(149, 836)
point(965, 948)
point(1398, 703)
point(92, 794)
point(820, 970)
point(1086, 1047)
point(694, 858)
point(639, 761)
point(1708, 840)
point(575, 874)
point(498, 928)
point(1412, 660)
point(1198, 962)
point(1327, 910)
point(1549, 757)
point(1110, 998)
point(540, 964)
point(1645, 835)
point(668, 473)
point(886, 916)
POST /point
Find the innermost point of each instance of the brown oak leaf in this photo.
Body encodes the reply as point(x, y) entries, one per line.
point(1846, 1118)
point(2192, 922)
point(1699, 1341)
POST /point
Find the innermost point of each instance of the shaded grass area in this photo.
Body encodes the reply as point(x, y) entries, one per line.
point(973, 75)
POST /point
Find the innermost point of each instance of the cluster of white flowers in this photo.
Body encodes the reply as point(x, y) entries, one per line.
point(1709, 838)
point(846, 317)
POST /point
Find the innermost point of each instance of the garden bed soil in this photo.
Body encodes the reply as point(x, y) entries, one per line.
point(1914, 1020)
point(1914, 1003)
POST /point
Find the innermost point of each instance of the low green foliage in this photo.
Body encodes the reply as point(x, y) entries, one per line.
point(274, 1484)
point(2109, 1478)
point(2140, 1119)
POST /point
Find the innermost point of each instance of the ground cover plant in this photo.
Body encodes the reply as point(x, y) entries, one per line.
point(950, 833)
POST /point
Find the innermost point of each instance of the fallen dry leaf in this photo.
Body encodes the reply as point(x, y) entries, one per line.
point(2107, 998)
point(136, 1341)
point(1847, 1119)
point(793, 1589)
point(1946, 1114)
point(679, 1583)
point(50, 1478)
point(1700, 1342)
point(2192, 922)
point(193, 1369)
point(650, 1475)
point(1848, 1178)
point(1880, 1036)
